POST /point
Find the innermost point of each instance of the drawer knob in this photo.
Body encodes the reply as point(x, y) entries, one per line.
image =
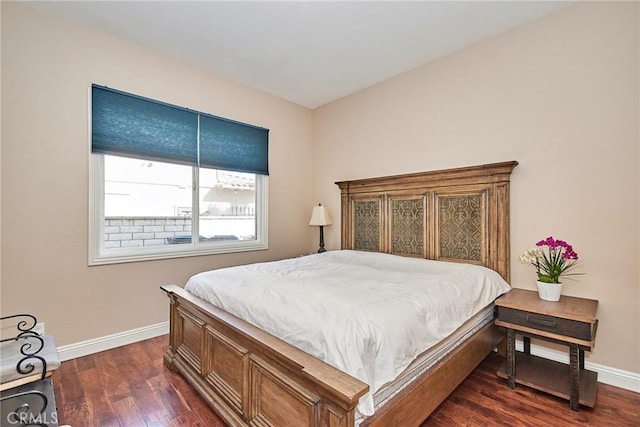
point(542, 322)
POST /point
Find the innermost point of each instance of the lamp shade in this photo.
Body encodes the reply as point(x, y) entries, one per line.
point(320, 216)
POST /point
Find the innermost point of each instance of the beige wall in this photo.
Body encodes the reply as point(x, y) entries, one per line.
point(48, 65)
point(560, 96)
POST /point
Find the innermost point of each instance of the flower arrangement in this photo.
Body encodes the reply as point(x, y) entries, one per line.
point(553, 259)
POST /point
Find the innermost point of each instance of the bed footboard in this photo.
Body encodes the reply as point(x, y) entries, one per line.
point(251, 378)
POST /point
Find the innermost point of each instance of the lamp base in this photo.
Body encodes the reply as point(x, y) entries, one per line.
point(321, 249)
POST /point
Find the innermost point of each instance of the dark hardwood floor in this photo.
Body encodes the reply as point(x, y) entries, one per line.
point(130, 386)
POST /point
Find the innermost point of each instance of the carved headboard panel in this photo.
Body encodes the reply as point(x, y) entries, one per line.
point(457, 215)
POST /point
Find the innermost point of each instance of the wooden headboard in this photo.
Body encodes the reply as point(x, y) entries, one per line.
point(457, 215)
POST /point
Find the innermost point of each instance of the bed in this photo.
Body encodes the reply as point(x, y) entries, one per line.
point(251, 377)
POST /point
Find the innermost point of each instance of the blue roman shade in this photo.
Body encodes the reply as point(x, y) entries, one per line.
point(229, 145)
point(128, 125)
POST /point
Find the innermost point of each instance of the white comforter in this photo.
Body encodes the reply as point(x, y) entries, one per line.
point(368, 314)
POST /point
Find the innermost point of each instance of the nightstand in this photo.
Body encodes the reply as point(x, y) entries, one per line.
point(570, 321)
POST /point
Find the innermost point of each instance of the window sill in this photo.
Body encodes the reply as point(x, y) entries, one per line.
point(189, 250)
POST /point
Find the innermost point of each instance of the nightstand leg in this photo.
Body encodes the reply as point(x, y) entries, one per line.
point(574, 367)
point(526, 341)
point(511, 358)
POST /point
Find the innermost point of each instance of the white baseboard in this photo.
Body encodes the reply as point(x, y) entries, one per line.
point(606, 375)
point(85, 348)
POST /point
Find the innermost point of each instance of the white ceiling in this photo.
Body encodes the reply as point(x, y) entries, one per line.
point(308, 52)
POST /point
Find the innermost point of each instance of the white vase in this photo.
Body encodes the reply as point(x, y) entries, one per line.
point(549, 291)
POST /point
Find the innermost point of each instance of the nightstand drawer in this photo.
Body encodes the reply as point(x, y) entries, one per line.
point(570, 328)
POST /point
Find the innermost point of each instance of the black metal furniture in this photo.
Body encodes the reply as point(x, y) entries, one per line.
point(27, 361)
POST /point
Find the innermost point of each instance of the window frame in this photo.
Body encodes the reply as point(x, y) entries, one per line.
point(99, 255)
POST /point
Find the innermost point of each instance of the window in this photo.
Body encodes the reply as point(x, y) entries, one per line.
point(168, 182)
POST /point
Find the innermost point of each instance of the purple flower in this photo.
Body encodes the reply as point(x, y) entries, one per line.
point(553, 263)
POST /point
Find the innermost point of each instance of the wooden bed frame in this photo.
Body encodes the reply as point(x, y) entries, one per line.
point(251, 378)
